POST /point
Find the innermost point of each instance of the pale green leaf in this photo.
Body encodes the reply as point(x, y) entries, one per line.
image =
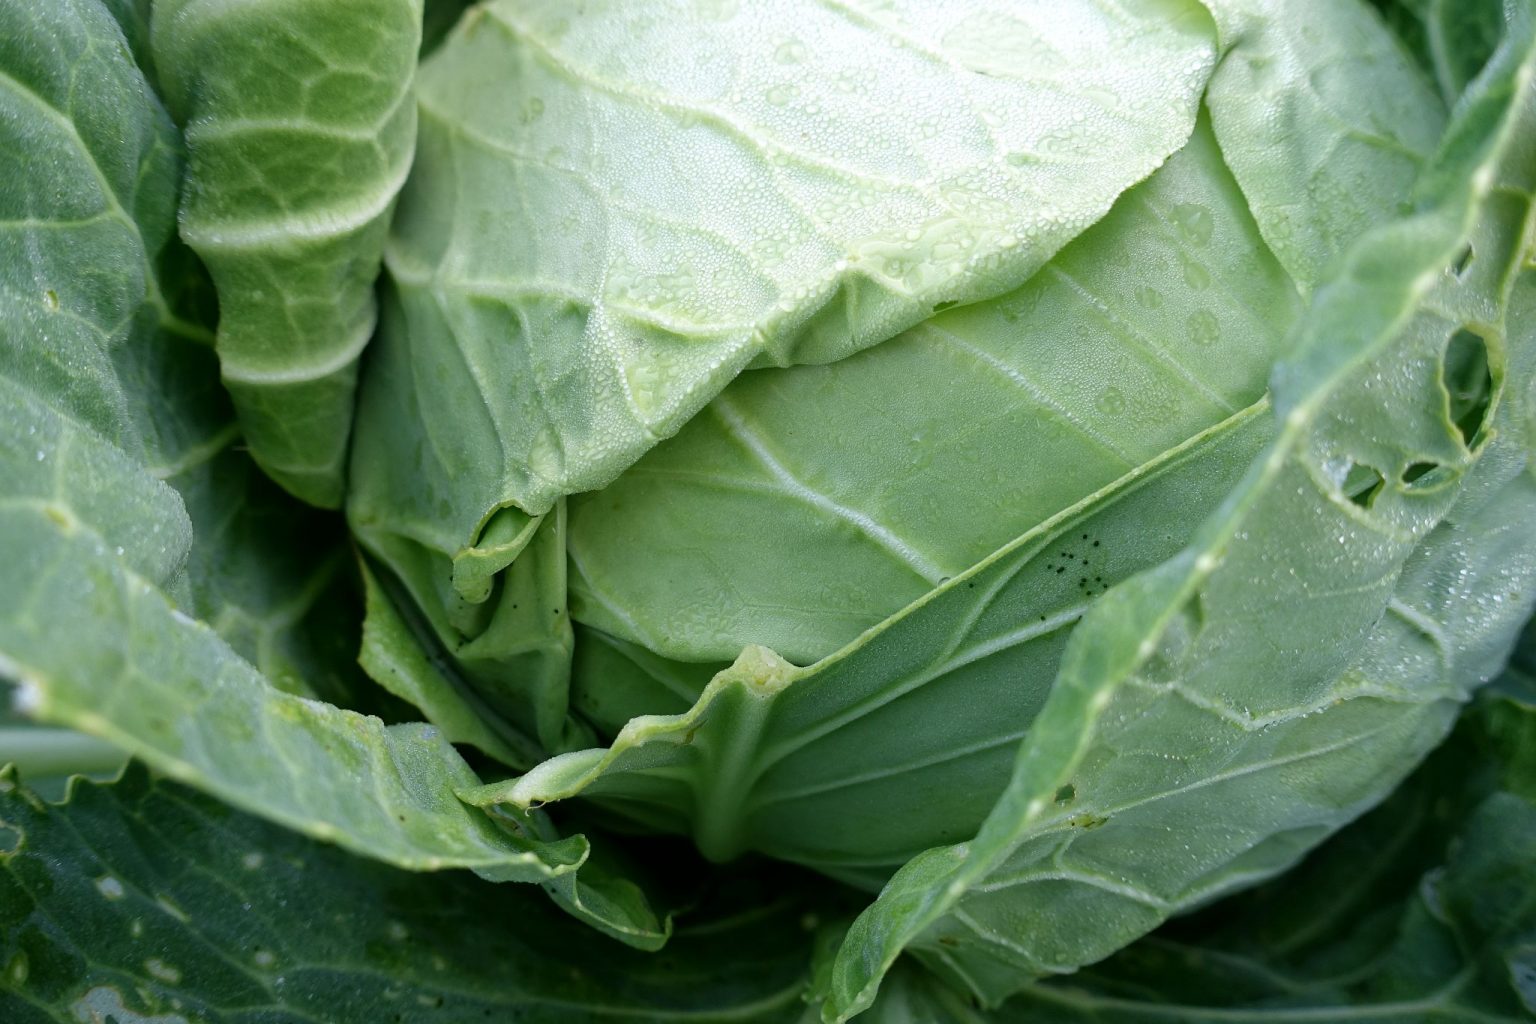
point(870, 481)
point(1251, 629)
point(300, 121)
point(1421, 911)
point(564, 259)
point(823, 764)
point(1324, 119)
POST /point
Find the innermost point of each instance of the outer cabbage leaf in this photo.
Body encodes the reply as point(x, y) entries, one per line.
point(106, 391)
point(106, 168)
point(151, 902)
point(1324, 119)
point(1421, 911)
point(300, 121)
point(1251, 628)
point(278, 597)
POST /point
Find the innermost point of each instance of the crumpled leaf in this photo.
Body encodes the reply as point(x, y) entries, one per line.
point(638, 287)
point(300, 121)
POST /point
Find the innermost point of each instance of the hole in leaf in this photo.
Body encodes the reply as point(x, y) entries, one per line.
point(1066, 793)
point(1417, 475)
point(1462, 261)
point(1362, 484)
point(1468, 383)
point(939, 307)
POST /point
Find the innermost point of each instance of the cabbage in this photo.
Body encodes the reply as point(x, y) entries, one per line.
point(975, 511)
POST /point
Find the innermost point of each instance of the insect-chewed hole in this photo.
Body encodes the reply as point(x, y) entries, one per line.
point(1362, 484)
point(1423, 475)
point(1468, 383)
point(1462, 261)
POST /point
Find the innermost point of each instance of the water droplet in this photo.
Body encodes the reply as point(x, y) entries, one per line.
point(1203, 328)
point(1194, 223)
point(790, 51)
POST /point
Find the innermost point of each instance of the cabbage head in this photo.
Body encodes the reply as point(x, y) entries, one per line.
point(992, 511)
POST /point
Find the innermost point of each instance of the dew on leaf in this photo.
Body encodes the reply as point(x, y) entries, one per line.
point(1203, 328)
point(1110, 401)
point(1196, 276)
point(1194, 222)
point(791, 51)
